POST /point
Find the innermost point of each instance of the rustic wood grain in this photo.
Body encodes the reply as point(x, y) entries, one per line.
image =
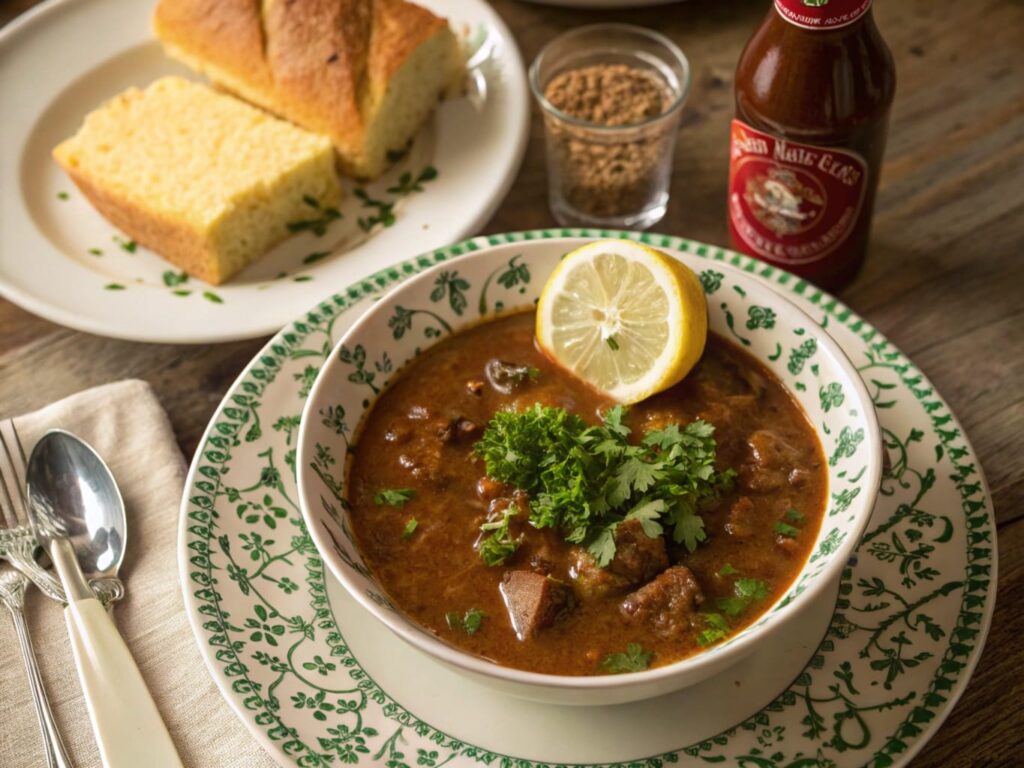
point(944, 280)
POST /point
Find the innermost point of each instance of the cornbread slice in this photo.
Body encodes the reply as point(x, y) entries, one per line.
point(203, 179)
point(366, 73)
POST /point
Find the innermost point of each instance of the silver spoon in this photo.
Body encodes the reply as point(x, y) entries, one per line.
point(78, 516)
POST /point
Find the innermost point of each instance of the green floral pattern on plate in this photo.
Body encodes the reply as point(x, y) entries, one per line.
point(909, 623)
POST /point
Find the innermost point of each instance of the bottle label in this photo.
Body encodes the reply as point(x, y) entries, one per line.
point(822, 14)
point(792, 203)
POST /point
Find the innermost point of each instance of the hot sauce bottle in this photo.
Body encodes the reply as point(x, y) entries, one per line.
point(813, 90)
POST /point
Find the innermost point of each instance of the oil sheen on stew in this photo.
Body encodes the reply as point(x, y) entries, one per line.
point(656, 594)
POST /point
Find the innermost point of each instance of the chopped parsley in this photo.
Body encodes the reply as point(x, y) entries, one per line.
point(469, 622)
point(385, 214)
point(393, 497)
point(318, 226)
point(716, 628)
point(315, 257)
point(746, 591)
point(727, 570)
point(787, 530)
point(635, 659)
point(96, 251)
point(407, 184)
point(172, 278)
point(585, 480)
point(794, 515)
point(499, 546)
point(63, 196)
point(126, 245)
point(613, 343)
point(410, 528)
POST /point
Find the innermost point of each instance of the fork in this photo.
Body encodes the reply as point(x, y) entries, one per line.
point(17, 546)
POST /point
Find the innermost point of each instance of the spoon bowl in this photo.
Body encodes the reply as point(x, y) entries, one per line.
point(72, 494)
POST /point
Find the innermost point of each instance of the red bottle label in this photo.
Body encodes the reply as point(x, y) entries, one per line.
point(791, 203)
point(822, 14)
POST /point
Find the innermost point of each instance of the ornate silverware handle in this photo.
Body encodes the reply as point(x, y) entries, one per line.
point(12, 594)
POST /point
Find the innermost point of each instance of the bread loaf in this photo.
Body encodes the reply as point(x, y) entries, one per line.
point(203, 179)
point(366, 73)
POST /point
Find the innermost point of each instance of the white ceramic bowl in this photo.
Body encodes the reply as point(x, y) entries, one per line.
point(484, 283)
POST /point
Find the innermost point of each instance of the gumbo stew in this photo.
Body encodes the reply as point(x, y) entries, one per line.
point(521, 516)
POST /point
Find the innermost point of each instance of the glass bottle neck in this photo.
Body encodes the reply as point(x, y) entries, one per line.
point(822, 15)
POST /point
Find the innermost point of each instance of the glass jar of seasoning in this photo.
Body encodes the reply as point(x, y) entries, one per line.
point(813, 90)
point(611, 96)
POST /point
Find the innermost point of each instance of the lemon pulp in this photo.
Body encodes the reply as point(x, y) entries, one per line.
point(627, 319)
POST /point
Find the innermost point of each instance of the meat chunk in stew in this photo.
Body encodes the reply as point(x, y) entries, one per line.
point(772, 459)
point(534, 601)
point(741, 522)
point(638, 558)
point(666, 605)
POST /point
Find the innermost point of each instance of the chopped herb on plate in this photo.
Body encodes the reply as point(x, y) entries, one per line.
point(410, 528)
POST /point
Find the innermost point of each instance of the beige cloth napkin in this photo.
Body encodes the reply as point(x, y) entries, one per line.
point(128, 427)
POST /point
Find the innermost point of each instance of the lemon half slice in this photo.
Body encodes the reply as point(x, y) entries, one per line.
point(627, 319)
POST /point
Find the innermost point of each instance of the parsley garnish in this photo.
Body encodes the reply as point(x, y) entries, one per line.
point(126, 245)
point(787, 530)
point(612, 342)
point(317, 226)
point(746, 591)
point(393, 497)
point(635, 659)
point(795, 515)
point(385, 211)
point(499, 546)
point(315, 257)
point(410, 528)
point(469, 623)
point(406, 184)
point(716, 629)
point(172, 278)
point(585, 480)
point(63, 196)
point(727, 570)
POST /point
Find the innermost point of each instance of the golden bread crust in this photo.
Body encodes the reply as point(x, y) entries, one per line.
point(322, 64)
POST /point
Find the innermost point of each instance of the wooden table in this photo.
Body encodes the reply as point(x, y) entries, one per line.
point(944, 280)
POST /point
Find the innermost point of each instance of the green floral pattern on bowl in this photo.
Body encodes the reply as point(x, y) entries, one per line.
point(505, 278)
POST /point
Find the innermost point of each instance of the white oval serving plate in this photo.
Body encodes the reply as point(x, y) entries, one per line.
point(60, 259)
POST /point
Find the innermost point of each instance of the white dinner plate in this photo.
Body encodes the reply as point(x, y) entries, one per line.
point(320, 682)
point(60, 259)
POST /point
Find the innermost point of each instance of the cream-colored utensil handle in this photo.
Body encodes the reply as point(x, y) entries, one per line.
point(129, 730)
